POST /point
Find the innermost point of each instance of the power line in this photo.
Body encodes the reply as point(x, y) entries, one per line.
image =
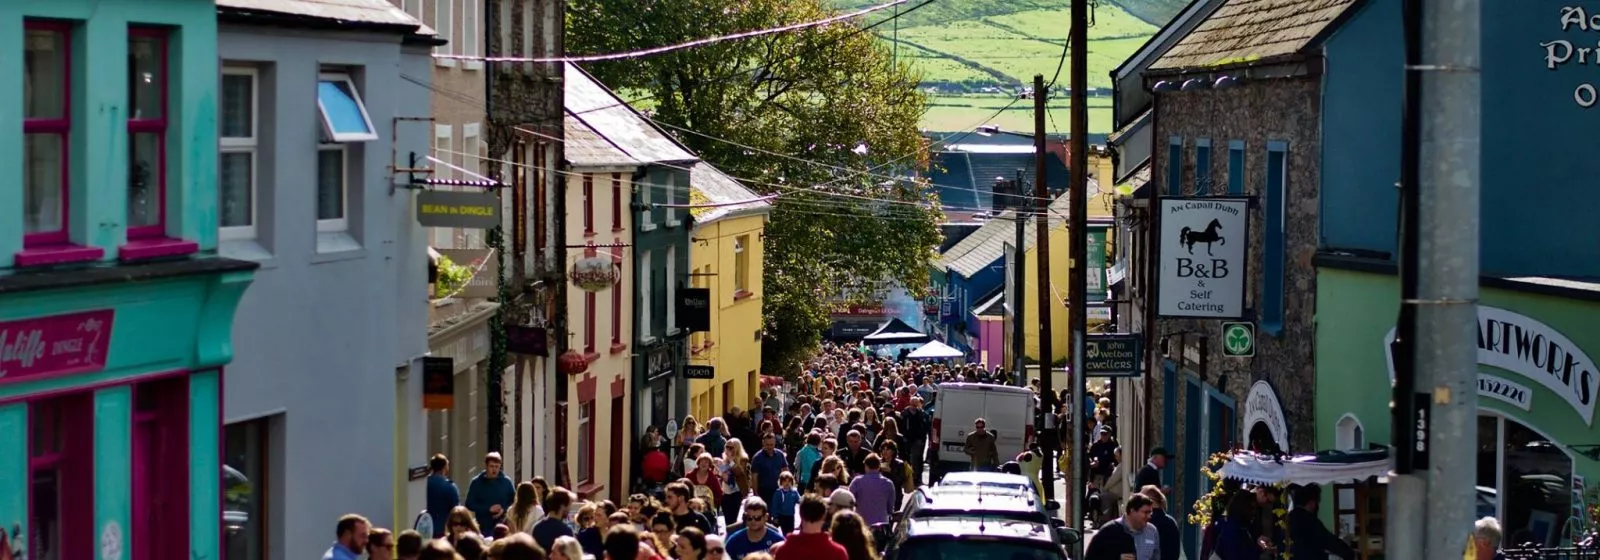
point(680, 46)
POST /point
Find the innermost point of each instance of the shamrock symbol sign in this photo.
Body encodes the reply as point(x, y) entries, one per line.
point(1239, 340)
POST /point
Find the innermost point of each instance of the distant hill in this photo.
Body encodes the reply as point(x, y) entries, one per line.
point(975, 54)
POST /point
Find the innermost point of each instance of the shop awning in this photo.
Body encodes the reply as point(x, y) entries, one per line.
point(935, 350)
point(1328, 467)
point(895, 332)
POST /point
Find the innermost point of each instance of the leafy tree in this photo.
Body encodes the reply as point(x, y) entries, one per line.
point(830, 99)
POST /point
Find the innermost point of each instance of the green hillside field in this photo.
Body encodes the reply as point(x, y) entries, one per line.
point(975, 54)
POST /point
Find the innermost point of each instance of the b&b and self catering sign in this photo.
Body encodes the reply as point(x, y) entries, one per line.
point(1203, 243)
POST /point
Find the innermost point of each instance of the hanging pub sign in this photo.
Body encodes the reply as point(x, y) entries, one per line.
point(453, 209)
point(694, 309)
point(532, 341)
point(595, 273)
point(438, 383)
point(658, 364)
point(1202, 244)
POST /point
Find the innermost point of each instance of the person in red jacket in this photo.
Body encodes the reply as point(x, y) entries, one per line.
point(810, 542)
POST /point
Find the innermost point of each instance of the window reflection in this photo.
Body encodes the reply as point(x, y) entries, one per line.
point(243, 476)
point(1528, 478)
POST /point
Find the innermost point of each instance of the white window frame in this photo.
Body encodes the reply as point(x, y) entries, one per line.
point(647, 215)
point(355, 94)
point(672, 213)
point(472, 160)
point(740, 277)
point(672, 289)
point(443, 238)
point(644, 297)
point(472, 39)
point(236, 144)
point(443, 23)
point(587, 455)
point(341, 223)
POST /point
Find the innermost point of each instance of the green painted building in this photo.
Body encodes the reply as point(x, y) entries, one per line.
point(1537, 387)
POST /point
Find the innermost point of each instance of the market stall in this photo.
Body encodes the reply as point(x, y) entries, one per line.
point(1357, 479)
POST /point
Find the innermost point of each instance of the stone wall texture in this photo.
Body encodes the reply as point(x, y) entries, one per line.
point(1256, 112)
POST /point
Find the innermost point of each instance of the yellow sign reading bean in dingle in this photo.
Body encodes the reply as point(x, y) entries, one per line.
point(474, 210)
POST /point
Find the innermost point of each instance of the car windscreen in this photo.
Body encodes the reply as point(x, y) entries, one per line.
point(976, 548)
point(1030, 516)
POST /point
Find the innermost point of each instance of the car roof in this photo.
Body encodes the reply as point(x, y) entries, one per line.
point(986, 479)
point(985, 387)
point(971, 498)
point(980, 526)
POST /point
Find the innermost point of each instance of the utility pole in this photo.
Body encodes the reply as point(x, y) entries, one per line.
point(1019, 275)
point(1435, 398)
point(1041, 201)
point(1078, 228)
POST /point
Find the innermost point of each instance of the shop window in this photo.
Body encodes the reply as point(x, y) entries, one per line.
point(46, 127)
point(586, 442)
point(1527, 478)
point(344, 115)
point(245, 488)
point(60, 458)
point(160, 469)
point(147, 129)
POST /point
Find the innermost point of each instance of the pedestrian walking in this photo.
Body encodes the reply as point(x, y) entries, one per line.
point(874, 494)
point(491, 492)
point(757, 535)
point(442, 493)
point(350, 538)
point(554, 525)
point(811, 542)
point(1130, 537)
point(980, 447)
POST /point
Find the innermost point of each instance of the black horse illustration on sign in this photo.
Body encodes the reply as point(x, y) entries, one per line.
point(1189, 237)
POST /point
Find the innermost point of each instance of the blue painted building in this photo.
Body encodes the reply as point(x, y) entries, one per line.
point(1538, 141)
point(115, 311)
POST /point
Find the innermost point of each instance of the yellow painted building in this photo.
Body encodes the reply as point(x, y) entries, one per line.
point(1060, 270)
point(725, 256)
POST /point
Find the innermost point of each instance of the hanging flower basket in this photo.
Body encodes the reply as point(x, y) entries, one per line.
point(595, 273)
point(572, 362)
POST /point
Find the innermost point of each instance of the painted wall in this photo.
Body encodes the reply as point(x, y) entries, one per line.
point(609, 364)
point(991, 350)
point(733, 346)
point(655, 230)
point(1536, 141)
point(1060, 289)
point(98, 146)
point(332, 315)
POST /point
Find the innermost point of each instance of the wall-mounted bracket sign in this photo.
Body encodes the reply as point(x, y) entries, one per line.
point(54, 345)
point(438, 383)
point(694, 309)
point(658, 364)
point(1535, 353)
point(1112, 355)
point(1202, 249)
point(446, 209)
point(699, 372)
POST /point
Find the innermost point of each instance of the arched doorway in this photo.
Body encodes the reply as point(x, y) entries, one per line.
point(1348, 434)
point(1524, 479)
point(1262, 441)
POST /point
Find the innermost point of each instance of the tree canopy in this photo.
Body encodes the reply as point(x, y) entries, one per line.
point(822, 116)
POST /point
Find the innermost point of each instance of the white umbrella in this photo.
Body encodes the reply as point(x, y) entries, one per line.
point(934, 350)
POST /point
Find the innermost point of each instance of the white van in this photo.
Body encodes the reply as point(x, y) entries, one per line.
point(1008, 410)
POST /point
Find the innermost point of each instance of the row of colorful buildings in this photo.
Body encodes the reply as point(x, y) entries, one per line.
point(1262, 142)
point(252, 278)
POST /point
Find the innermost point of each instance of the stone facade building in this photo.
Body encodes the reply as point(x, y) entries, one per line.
point(1236, 115)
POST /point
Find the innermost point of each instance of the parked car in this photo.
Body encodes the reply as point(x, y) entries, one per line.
point(978, 537)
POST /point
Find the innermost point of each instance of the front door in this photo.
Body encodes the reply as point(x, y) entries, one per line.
point(1194, 458)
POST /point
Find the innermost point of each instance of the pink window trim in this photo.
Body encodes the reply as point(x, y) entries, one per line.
point(154, 540)
point(62, 127)
point(158, 126)
point(589, 319)
point(75, 461)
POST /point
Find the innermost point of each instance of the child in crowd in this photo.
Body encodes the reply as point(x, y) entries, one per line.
point(785, 501)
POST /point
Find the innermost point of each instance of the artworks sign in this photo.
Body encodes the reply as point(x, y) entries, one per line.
point(448, 209)
point(1261, 406)
point(54, 345)
point(1112, 355)
point(1522, 345)
point(658, 364)
point(1203, 242)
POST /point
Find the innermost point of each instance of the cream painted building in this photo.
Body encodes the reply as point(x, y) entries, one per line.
point(725, 256)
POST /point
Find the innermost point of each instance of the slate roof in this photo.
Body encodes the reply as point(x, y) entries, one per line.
point(951, 175)
point(992, 305)
point(587, 148)
point(379, 12)
point(965, 179)
point(987, 245)
point(605, 113)
point(709, 185)
point(1242, 31)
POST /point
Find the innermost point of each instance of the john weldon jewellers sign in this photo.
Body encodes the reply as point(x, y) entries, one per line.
point(1203, 242)
point(1536, 353)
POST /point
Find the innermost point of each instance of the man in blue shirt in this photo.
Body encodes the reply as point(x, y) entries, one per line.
point(490, 494)
point(768, 463)
point(442, 493)
point(554, 525)
point(757, 535)
point(351, 535)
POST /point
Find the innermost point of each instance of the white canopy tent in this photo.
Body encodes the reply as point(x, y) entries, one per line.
point(1324, 468)
point(934, 350)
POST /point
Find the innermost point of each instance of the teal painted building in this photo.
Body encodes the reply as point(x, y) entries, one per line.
point(115, 312)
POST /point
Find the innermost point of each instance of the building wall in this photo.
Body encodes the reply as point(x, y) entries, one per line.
point(1535, 146)
point(733, 346)
point(1060, 289)
point(609, 362)
point(333, 313)
point(663, 394)
point(1283, 110)
point(97, 147)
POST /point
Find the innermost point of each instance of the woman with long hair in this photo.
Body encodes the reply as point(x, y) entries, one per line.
point(835, 466)
point(793, 436)
point(686, 436)
point(890, 431)
point(460, 522)
point(850, 531)
point(704, 481)
point(525, 510)
point(691, 544)
point(541, 490)
point(735, 473)
point(691, 458)
point(869, 414)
